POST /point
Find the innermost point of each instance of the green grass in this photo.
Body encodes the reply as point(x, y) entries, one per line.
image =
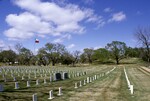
point(112, 87)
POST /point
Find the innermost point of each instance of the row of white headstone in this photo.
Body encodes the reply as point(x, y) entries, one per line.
point(128, 82)
point(51, 96)
point(28, 83)
point(93, 78)
point(28, 77)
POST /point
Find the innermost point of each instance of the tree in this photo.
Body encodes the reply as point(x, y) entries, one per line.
point(143, 36)
point(42, 57)
point(24, 56)
point(101, 55)
point(66, 58)
point(83, 58)
point(132, 52)
point(88, 53)
point(18, 47)
point(76, 56)
point(8, 56)
point(54, 51)
point(117, 50)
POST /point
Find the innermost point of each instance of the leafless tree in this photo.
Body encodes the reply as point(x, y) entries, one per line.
point(143, 36)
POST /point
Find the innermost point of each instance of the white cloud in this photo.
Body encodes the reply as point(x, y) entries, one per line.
point(49, 19)
point(71, 46)
point(106, 10)
point(120, 16)
point(62, 38)
point(15, 34)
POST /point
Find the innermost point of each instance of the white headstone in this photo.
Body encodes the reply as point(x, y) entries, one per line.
point(16, 85)
point(88, 79)
point(44, 81)
point(28, 84)
point(22, 77)
point(131, 88)
point(51, 94)
point(76, 86)
point(37, 82)
point(60, 92)
point(34, 97)
point(50, 79)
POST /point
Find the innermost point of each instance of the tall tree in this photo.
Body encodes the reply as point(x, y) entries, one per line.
point(8, 56)
point(143, 36)
point(54, 51)
point(42, 57)
point(117, 49)
point(76, 56)
point(88, 53)
point(101, 55)
point(24, 56)
point(66, 58)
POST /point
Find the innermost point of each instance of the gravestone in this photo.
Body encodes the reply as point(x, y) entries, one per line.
point(34, 97)
point(16, 85)
point(51, 94)
point(65, 75)
point(57, 76)
point(60, 92)
point(28, 83)
point(50, 78)
point(1, 88)
point(76, 85)
point(37, 82)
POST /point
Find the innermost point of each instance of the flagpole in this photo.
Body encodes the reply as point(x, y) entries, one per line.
point(34, 46)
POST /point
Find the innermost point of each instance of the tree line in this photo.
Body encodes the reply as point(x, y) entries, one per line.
point(55, 53)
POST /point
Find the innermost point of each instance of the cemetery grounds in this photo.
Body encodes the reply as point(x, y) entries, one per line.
point(110, 83)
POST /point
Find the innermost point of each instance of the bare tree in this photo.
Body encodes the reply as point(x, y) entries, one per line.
point(76, 55)
point(143, 36)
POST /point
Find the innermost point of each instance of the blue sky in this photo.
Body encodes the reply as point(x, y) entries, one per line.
point(77, 24)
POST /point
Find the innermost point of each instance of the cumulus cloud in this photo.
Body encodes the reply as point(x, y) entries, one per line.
point(71, 46)
point(48, 18)
point(120, 16)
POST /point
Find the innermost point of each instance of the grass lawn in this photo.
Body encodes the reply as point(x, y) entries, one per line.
point(111, 87)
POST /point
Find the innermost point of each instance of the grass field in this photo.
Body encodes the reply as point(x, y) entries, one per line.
point(111, 87)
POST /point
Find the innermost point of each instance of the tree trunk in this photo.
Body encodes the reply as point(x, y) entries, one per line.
point(53, 63)
point(117, 60)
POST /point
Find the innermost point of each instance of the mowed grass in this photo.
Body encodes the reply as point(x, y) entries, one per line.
point(112, 87)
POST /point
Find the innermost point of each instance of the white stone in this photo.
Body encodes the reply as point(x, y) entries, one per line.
point(16, 85)
point(60, 92)
point(50, 79)
point(37, 82)
point(76, 86)
point(131, 89)
point(44, 81)
point(80, 84)
point(28, 84)
point(88, 79)
point(51, 95)
point(34, 97)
